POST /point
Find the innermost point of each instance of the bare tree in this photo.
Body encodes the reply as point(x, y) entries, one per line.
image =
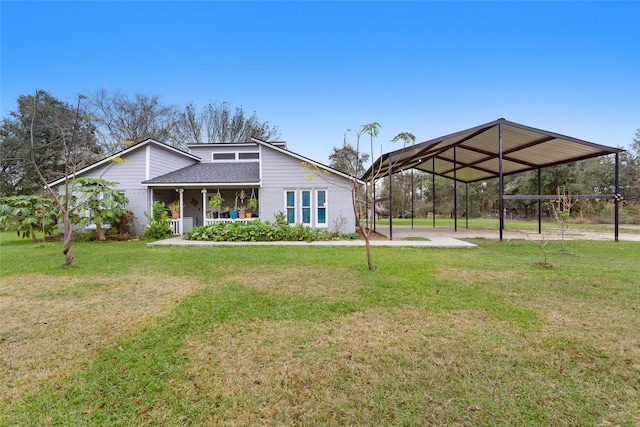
point(561, 209)
point(74, 138)
point(121, 119)
point(367, 207)
point(218, 123)
point(362, 192)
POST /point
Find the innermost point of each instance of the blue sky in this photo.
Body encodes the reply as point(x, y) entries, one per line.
point(315, 69)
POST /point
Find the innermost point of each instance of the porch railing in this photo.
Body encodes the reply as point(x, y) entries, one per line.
point(174, 226)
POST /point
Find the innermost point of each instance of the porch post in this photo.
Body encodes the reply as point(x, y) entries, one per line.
point(204, 206)
point(181, 192)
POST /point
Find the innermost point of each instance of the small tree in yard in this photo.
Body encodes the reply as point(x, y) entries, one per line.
point(362, 193)
point(561, 209)
point(75, 137)
point(26, 214)
point(105, 204)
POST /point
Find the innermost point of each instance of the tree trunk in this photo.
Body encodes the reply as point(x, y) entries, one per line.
point(66, 247)
point(365, 234)
point(100, 232)
point(33, 234)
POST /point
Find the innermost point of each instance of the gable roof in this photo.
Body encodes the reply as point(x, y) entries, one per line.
point(124, 152)
point(211, 174)
point(474, 154)
point(305, 159)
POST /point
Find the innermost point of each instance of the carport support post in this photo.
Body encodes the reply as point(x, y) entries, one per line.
point(501, 179)
point(373, 204)
point(617, 205)
point(433, 190)
point(466, 204)
point(539, 202)
point(390, 200)
point(455, 192)
point(412, 193)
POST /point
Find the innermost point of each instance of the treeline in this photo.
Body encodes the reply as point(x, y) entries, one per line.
point(109, 122)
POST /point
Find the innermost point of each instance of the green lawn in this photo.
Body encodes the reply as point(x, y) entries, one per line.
point(308, 336)
point(512, 225)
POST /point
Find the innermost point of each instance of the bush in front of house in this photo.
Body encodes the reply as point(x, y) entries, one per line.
point(258, 231)
point(158, 227)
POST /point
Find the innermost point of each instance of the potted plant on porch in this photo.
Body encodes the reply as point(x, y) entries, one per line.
point(174, 207)
point(215, 202)
point(237, 208)
point(252, 205)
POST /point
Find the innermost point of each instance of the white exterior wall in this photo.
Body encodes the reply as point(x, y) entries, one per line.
point(281, 172)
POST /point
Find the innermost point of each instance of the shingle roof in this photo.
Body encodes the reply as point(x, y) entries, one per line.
point(211, 173)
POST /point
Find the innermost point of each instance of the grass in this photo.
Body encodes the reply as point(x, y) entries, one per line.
point(513, 225)
point(308, 336)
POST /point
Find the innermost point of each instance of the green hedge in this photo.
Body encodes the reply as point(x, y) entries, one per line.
point(258, 231)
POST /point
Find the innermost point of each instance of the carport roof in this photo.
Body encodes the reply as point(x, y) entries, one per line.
point(474, 154)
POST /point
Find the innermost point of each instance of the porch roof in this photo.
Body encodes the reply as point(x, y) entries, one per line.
point(211, 173)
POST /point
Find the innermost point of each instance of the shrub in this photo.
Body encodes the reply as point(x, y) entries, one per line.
point(158, 227)
point(257, 231)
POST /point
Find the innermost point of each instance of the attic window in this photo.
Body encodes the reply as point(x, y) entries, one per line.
point(224, 156)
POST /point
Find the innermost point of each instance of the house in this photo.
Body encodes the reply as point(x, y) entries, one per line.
point(282, 181)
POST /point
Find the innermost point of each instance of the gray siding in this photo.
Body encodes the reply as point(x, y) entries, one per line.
point(128, 174)
point(204, 151)
point(133, 170)
point(282, 172)
point(162, 161)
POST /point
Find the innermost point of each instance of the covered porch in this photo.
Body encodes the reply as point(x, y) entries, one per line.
point(208, 205)
point(208, 193)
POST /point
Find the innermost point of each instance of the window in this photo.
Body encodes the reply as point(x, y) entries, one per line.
point(247, 156)
point(291, 207)
point(321, 206)
point(224, 156)
point(308, 207)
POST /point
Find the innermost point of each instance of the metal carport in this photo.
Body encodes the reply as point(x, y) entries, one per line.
point(494, 150)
